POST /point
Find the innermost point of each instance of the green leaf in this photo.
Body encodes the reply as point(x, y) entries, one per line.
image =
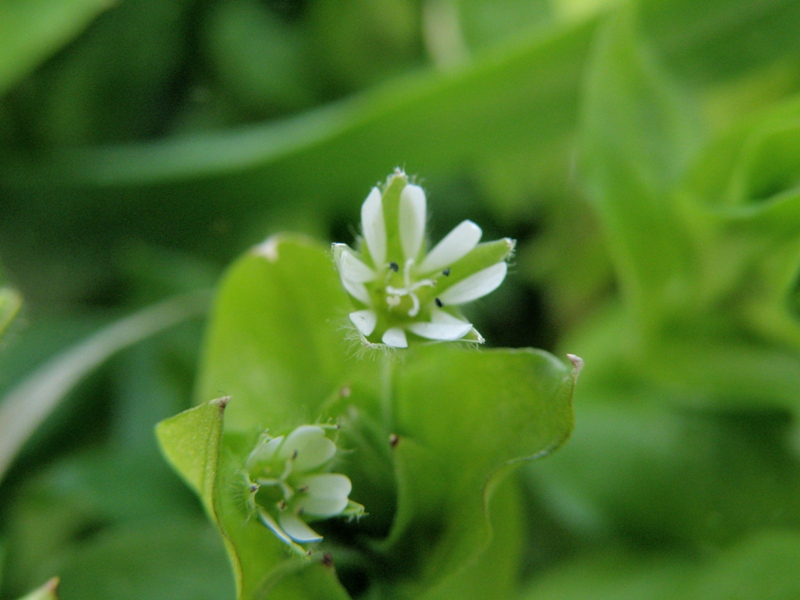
point(476, 414)
point(277, 343)
point(637, 134)
point(32, 30)
point(191, 443)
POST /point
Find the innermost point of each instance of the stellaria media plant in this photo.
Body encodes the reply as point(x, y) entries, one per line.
point(418, 443)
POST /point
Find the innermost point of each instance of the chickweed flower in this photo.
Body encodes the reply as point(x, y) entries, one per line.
point(289, 485)
point(403, 289)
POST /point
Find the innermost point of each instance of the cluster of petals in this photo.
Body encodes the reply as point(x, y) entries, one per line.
point(404, 289)
point(291, 467)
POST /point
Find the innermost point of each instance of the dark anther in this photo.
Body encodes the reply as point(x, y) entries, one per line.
point(294, 454)
point(394, 266)
point(302, 489)
point(282, 505)
point(394, 439)
point(254, 488)
point(446, 272)
point(327, 560)
point(439, 303)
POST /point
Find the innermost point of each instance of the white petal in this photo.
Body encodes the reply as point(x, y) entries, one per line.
point(267, 519)
point(356, 290)
point(364, 320)
point(350, 266)
point(297, 529)
point(374, 226)
point(455, 245)
point(442, 316)
point(326, 495)
point(412, 219)
point(309, 447)
point(446, 332)
point(264, 452)
point(475, 286)
point(395, 337)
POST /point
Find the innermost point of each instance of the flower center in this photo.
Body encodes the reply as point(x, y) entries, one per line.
point(395, 295)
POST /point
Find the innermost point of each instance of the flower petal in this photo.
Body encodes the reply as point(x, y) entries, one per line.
point(364, 320)
point(350, 266)
point(356, 290)
point(374, 227)
point(445, 332)
point(455, 245)
point(297, 529)
point(264, 452)
point(309, 447)
point(475, 286)
point(326, 494)
point(395, 337)
point(267, 519)
point(412, 219)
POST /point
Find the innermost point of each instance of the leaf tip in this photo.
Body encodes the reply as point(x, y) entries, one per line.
point(268, 248)
point(52, 585)
point(222, 403)
point(577, 364)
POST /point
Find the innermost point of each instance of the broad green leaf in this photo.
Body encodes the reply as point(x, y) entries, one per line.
point(277, 343)
point(476, 414)
point(32, 30)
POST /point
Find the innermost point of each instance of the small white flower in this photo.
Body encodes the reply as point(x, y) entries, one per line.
point(289, 486)
point(401, 288)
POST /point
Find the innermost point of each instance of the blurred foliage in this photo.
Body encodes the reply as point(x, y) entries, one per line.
point(644, 152)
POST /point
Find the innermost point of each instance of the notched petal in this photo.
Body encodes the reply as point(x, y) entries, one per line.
point(326, 494)
point(395, 337)
point(444, 332)
point(413, 209)
point(374, 226)
point(309, 448)
point(350, 266)
point(453, 247)
point(297, 529)
point(356, 290)
point(475, 286)
point(364, 320)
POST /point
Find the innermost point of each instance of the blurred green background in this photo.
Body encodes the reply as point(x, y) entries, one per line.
point(645, 154)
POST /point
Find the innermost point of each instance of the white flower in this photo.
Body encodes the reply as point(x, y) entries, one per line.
point(401, 288)
point(288, 484)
